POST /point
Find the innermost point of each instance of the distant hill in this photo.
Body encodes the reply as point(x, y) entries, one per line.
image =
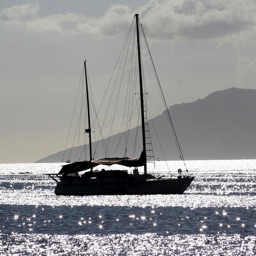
point(220, 126)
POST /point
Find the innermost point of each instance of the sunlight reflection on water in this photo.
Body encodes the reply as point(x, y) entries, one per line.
point(216, 214)
point(128, 244)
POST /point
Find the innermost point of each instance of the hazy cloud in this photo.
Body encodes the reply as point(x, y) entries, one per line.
point(20, 13)
point(199, 19)
point(167, 19)
point(115, 20)
point(60, 23)
point(27, 15)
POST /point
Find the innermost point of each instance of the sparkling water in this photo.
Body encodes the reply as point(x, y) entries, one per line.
point(215, 216)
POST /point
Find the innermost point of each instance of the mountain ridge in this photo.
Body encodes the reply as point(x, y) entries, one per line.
point(220, 126)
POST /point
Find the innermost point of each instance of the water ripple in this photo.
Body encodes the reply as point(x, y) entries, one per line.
point(217, 214)
point(129, 244)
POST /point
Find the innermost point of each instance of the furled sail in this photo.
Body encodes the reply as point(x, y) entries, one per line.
point(76, 167)
point(85, 165)
point(125, 161)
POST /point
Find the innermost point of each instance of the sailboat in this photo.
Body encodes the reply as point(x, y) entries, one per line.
point(80, 178)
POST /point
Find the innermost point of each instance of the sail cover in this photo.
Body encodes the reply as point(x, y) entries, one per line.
point(76, 167)
point(125, 161)
point(85, 165)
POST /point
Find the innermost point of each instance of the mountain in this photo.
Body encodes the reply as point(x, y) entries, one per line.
point(220, 126)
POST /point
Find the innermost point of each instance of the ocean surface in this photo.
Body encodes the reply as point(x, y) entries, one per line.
point(215, 216)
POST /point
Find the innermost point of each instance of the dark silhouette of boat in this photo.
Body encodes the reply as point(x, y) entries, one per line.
point(70, 181)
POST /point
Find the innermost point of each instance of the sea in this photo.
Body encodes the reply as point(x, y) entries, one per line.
point(215, 216)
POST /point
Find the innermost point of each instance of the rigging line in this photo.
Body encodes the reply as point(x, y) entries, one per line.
point(78, 127)
point(158, 139)
point(82, 152)
point(168, 112)
point(118, 92)
point(125, 128)
point(127, 125)
point(92, 103)
point(96, 119)
point(105, 94)
point(79, 123)
point(135, 102)
point(72, 117)
point(137, 131)
point(80, 115)
point(129, 103)
point(120, 76)
point(148, 147)
point(83, 102)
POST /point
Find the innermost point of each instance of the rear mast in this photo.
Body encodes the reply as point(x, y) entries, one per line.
point(88, 130)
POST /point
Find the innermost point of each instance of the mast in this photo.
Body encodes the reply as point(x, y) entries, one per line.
point(141, 92)
point(88, 113)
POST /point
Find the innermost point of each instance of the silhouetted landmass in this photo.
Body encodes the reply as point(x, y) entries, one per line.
point(220, 126)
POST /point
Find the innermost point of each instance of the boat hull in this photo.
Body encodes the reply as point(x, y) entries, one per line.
point(124, 187)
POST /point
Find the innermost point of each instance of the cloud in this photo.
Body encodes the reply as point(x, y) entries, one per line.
point(19, 13)
point(199, 19)
point(60, 23)
point(194, 19)
point(111, 23)
point(116, 20)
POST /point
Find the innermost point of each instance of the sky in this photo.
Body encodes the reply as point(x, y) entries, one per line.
point(199, 46)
